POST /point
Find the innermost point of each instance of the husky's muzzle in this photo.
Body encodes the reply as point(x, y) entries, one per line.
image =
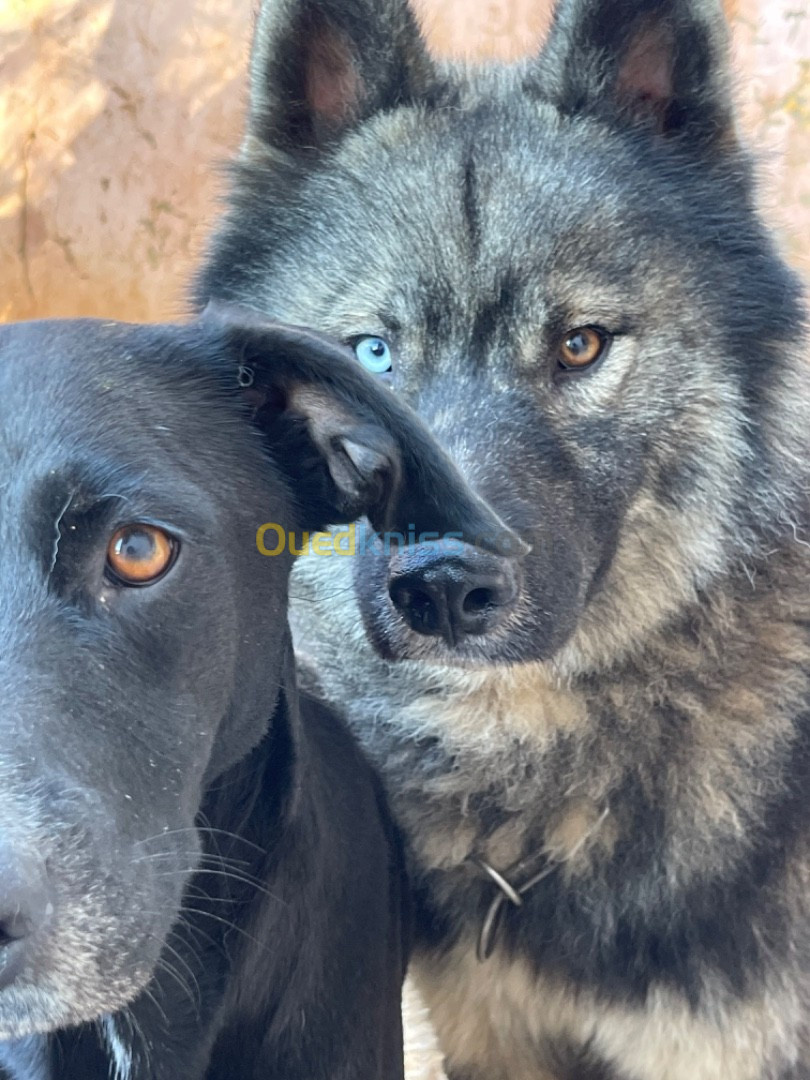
point(453, 595)
point(444, 599)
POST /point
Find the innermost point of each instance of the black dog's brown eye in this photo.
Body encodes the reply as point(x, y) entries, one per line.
point(582, 347)
point(140, 554)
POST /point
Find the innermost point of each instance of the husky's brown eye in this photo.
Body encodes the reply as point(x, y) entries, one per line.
point(582, 347)
point(140, 554)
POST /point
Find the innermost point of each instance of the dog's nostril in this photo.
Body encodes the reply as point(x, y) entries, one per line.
point(6, 936)
point(478, 600)
point(14, 927)
point(25, 905)
point(422, 609)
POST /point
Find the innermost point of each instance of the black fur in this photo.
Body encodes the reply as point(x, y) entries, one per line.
point(224, 887)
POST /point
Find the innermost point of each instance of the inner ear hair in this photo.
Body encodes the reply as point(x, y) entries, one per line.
point(362, 458)
point(645, 83)
point(320, 67)
point(659, 64)
point(332, 85)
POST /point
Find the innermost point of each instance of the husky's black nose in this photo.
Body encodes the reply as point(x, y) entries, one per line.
point(453, 594)
point(25, 905)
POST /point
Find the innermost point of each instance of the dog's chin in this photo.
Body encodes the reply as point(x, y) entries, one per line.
point(414, 647)
point(76, 978)
point(393, 640)
point(45, 1008)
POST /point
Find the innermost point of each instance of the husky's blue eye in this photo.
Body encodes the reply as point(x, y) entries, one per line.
point(374, 354)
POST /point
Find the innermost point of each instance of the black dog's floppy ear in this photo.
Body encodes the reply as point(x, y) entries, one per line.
point(348, 447)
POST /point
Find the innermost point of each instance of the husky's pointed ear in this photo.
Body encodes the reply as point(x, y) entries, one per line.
point(320, 66)
point(659, 62)
point(346, 445)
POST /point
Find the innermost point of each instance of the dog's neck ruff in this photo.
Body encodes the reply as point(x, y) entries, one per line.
point(517, 880)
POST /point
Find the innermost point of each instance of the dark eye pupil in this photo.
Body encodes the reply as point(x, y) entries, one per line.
point(135, 546)
point(577, 344)
point(378, 347)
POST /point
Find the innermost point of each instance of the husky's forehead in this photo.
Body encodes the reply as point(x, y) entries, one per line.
point(498, 202)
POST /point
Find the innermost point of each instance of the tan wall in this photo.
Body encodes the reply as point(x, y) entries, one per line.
point(115, 116)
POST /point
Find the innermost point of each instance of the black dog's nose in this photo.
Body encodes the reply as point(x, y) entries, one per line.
point(25, 904)
point(452, 594)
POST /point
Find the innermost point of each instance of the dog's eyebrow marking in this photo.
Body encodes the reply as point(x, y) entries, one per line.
point(472, 211)
point(121, 1054)
point(58, 535)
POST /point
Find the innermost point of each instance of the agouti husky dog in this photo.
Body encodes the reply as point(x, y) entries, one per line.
point(603, 778)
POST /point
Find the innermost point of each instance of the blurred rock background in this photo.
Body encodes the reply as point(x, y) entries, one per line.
point(116, 117)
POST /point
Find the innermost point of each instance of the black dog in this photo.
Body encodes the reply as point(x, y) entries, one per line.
point(198, 877)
